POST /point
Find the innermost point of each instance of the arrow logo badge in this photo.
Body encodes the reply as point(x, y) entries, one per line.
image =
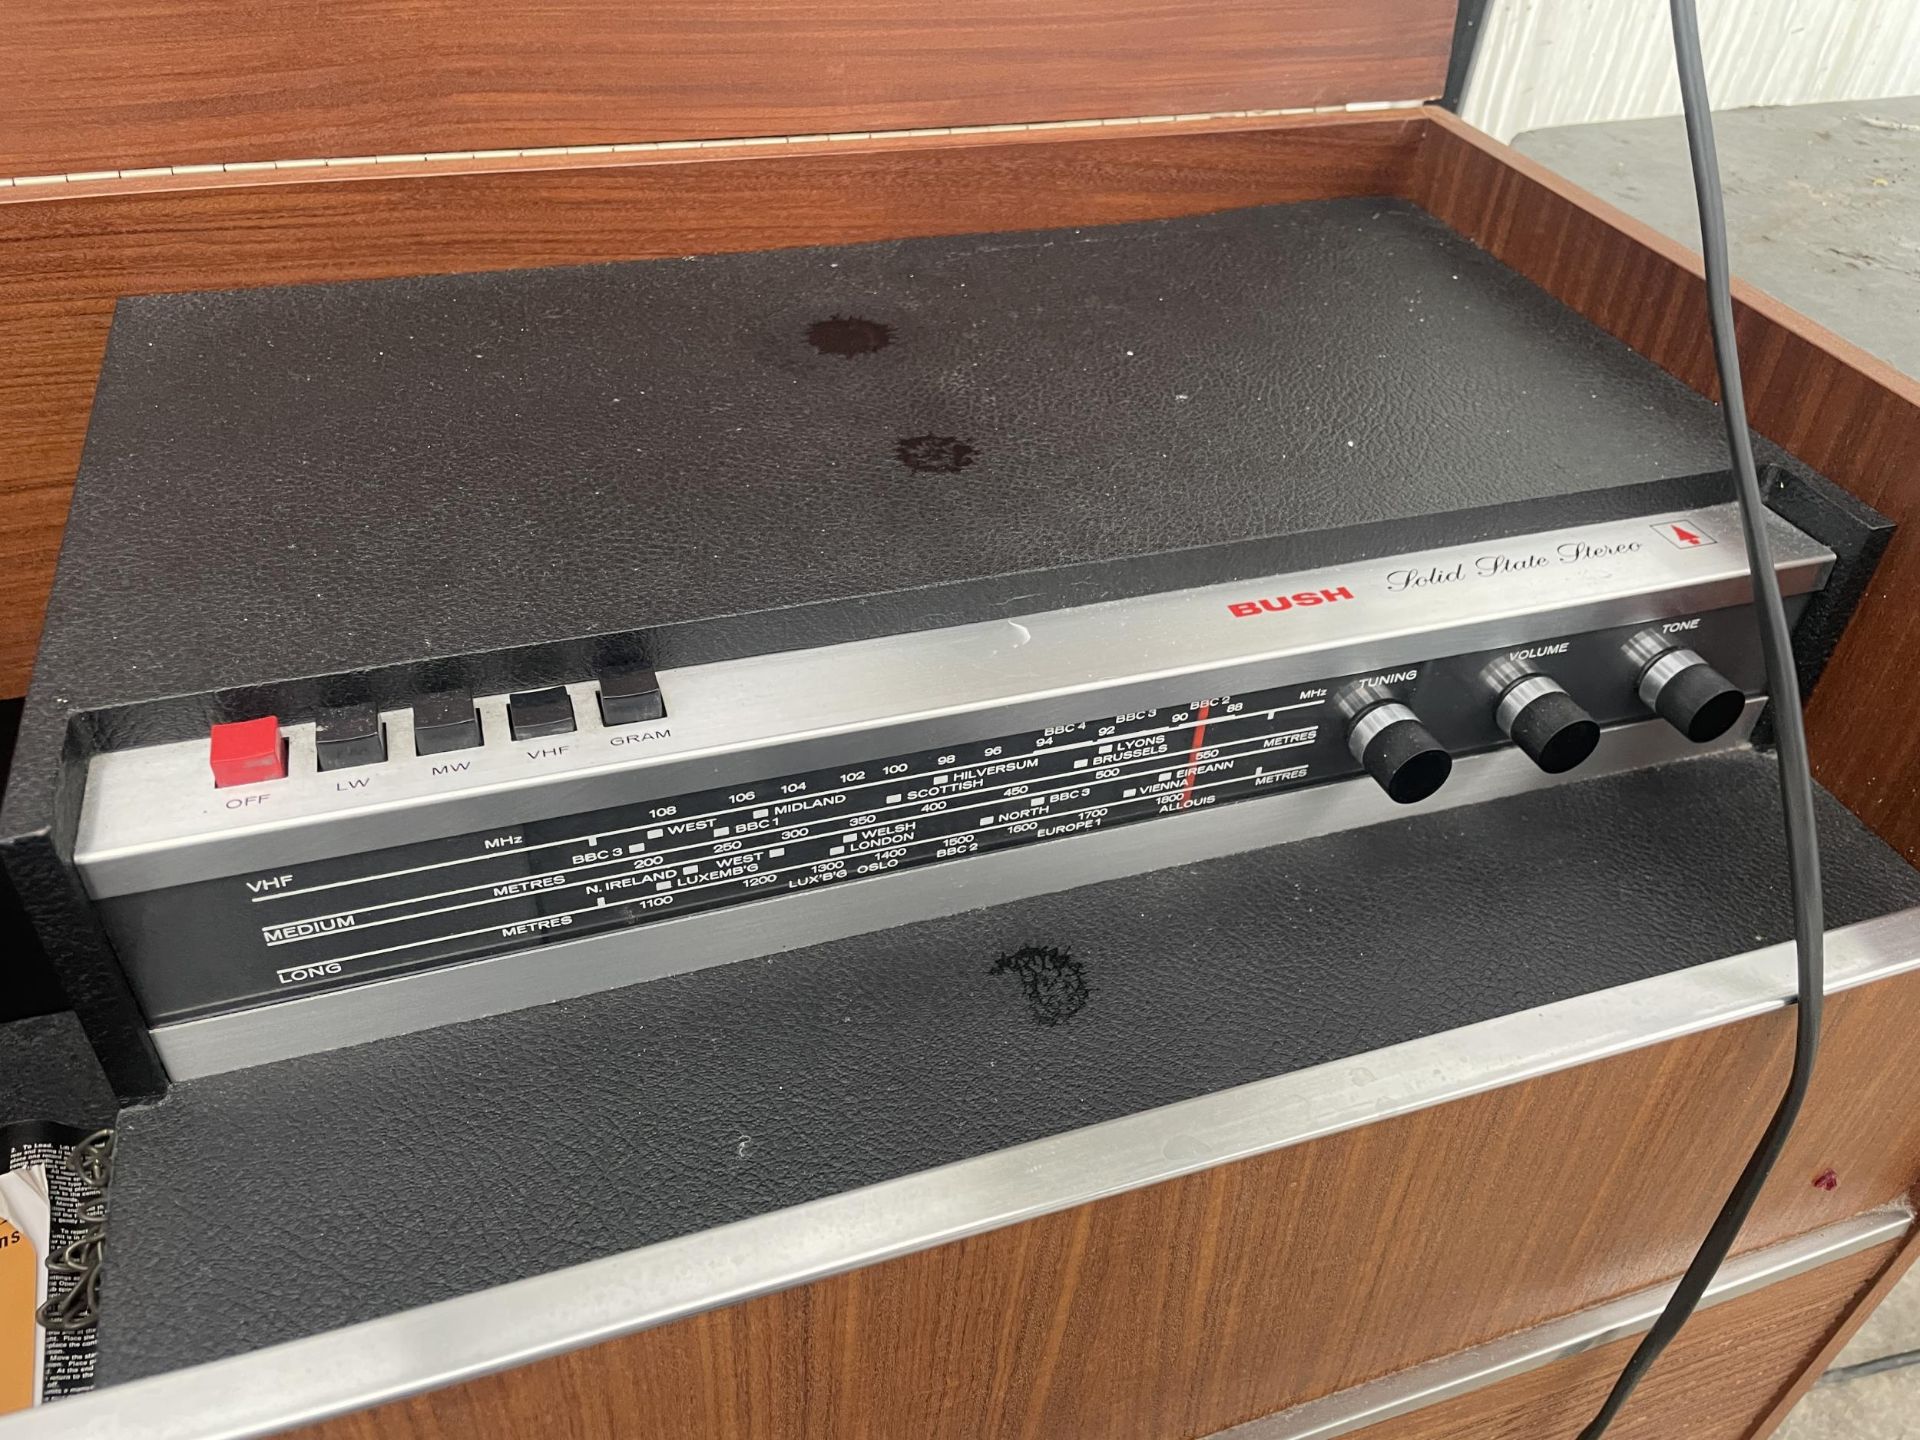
point(1684, 534)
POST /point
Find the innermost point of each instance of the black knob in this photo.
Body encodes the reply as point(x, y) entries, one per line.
point(1698, 701)
point(1395, 748)
point(1546, 723)
point(1685, 691)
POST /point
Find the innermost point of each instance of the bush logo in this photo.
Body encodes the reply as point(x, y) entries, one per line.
point(1277, 604)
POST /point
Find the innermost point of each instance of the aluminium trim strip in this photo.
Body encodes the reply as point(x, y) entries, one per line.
point(544, 152)
point(1466, 1371)
point(305, 1381)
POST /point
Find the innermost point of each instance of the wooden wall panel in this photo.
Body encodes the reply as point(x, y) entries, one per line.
point(114, 84)
point(1718, 1381)
point(1207, 1301)
point(62, 261)
point(1844, 412)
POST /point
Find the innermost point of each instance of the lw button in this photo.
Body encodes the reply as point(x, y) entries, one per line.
point(348, 735)
point(533, 714)
point(630, 694)
point(246, 752)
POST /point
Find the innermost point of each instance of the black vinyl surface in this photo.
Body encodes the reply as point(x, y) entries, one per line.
point(27, 983)
point(49, 1072)
point(277, 1202)
point(336, 478)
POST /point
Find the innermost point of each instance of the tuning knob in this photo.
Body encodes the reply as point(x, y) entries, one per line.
point(1538, 715)
point(1391, 744)
point(1685, 691)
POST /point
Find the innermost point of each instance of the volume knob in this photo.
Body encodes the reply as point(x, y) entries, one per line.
point(1684, 690)
point(1547, 723)
point(1393, 746)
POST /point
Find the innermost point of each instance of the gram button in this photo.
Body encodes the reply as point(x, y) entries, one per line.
point(630, 694)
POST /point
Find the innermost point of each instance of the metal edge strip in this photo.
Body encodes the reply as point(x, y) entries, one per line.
point(1466, 1371)
point(303, 1381)
point(491, 985)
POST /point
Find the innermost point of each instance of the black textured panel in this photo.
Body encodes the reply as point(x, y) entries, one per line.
point(345, 1184)
point(1857, 534)
point(49, 1072)
point(335, 478)
point(30, 987)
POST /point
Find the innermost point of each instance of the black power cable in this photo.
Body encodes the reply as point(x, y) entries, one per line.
point(1897, 1361)
point(1783, 683)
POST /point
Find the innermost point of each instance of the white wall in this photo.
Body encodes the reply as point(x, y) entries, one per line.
point(1562, 62)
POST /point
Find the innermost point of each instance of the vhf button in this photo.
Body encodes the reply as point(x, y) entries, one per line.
point(533, 714)
point(445, 721)
point(630, 694)
point(348, 735)
point(1685, 691)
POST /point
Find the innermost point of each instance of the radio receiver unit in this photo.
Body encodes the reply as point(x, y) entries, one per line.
point(430, 648)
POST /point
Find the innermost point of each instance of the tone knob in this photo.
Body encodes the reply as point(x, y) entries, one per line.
point(1538, 715)
point(1393, 746)
point(1685, 691)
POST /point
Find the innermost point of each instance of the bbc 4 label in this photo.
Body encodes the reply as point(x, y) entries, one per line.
point(1685, 534)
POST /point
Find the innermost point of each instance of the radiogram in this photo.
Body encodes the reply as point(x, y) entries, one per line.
point(429, 648)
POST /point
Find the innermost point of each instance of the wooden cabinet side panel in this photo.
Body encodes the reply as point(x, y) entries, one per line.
point(1836, 1339)
point(1847, 414)
point(1718, 1381)
point(1207, 1301)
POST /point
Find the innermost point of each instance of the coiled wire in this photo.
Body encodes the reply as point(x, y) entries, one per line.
point(78, 1305)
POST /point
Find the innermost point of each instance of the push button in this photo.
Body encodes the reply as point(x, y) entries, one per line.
point(445, 721)
point(630, 694)
point(245, 752)
point(534, 713)
point(348, 735)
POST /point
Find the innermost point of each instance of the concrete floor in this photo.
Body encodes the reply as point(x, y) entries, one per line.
point(1823, 206)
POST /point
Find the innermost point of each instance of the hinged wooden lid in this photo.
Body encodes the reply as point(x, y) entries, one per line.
point(130, 84)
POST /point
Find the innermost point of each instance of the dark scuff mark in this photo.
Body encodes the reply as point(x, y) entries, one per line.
point(848, 336)
point(935, 454)
point(1053, 982)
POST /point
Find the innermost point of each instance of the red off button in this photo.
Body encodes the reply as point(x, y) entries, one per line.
point(248, 751)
